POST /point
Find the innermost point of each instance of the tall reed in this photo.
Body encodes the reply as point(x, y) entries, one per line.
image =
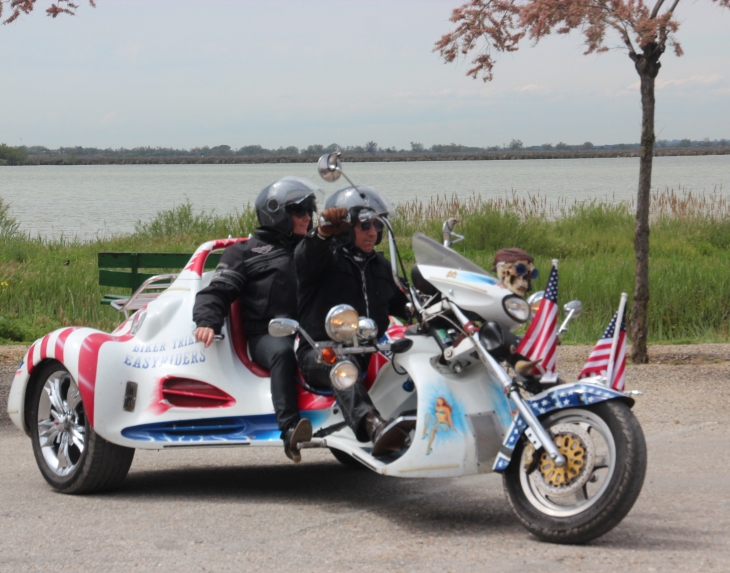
point(45, 284)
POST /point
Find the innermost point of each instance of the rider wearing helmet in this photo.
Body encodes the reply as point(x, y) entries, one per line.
point(337, 264)
point(261, 272)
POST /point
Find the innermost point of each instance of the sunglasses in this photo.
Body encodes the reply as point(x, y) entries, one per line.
point(367, 225)
point(521, 269)
point(301, 209)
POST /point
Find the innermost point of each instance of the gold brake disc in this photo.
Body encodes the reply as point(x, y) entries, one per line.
point(574, 451)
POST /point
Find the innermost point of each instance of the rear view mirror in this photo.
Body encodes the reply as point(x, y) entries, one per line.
point(575, 307)
point(491, 336)
point(400, 346)
point(283, 327)
point(329, 166)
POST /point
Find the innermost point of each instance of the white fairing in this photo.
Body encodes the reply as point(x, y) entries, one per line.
point(479, 293)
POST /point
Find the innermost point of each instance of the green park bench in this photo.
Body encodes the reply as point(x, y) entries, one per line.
point(112, 275)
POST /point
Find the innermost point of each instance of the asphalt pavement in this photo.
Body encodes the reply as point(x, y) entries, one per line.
point(251, 509)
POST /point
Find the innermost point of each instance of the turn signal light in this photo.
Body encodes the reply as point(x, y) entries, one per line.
point(329, 355)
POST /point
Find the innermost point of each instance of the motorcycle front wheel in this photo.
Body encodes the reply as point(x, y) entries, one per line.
point(606, 462)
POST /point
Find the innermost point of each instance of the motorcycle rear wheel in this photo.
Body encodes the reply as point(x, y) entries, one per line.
point(596, 490)
point(71, 456)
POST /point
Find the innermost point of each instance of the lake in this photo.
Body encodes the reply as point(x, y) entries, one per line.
point(100, 200)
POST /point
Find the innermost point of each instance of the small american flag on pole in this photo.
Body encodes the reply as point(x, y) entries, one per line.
point(608, 357)
point(541, 339)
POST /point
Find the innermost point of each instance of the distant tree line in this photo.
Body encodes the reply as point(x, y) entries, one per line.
point(34, 154)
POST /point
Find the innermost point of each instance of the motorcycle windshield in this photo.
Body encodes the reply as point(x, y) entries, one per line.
point(429, 252)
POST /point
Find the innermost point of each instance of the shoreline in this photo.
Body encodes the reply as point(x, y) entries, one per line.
point(36, 160)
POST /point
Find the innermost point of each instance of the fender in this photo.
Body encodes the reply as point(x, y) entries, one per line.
point(577, 394)
point(77, 348)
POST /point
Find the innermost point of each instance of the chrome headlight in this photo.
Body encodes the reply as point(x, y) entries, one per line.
point(534, 301)
point(366, 328)
point(516, 308)
point(344, 374)
point(341, 323)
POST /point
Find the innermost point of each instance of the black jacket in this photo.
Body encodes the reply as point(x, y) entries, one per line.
point(260, 271)
point(329, 273)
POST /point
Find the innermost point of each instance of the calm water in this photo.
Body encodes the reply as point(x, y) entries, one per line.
point(87, 201)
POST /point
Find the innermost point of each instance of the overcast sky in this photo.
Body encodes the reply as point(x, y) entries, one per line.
point(186, 73)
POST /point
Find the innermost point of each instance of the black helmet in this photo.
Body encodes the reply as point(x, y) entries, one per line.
point(275, 201)
point(359, 199)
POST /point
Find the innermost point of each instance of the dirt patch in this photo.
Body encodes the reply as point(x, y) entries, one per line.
point(12, 354)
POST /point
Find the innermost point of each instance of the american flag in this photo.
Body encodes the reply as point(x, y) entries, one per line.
point(598, 361)
point(541, 339)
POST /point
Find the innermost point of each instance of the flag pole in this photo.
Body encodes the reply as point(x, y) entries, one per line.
point(614, 342)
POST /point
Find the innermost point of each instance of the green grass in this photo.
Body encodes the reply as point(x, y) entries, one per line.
point(689, 268)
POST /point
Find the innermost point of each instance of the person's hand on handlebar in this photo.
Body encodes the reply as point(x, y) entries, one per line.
point(335, 216)
point(204, 334)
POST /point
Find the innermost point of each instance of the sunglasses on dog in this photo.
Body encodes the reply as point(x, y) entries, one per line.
point(367, 225)
point(521, 269)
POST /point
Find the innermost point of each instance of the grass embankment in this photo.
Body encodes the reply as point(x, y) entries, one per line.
point(47, 284)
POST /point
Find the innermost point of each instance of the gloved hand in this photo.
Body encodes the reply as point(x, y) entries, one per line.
point(336, 217)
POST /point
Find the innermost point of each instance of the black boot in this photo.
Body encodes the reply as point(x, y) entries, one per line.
point(294, 435)
point(386, 436)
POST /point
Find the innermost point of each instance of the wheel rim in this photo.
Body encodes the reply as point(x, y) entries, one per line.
point(584, 430)
point(61, 423)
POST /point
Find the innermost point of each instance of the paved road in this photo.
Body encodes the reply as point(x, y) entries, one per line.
point(251, 510)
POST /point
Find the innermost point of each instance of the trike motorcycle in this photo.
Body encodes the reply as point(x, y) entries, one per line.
point(572, 456)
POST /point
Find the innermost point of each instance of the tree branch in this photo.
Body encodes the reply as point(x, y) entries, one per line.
point(655, 11)
point(671, 10)
point(630, 46)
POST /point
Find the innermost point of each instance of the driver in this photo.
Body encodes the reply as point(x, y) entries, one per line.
point(261, 272)
point(337, 264)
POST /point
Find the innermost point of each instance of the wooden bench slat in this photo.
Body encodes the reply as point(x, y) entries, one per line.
point(151, 260)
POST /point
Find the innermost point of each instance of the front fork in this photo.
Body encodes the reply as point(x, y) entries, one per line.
point(538, 431)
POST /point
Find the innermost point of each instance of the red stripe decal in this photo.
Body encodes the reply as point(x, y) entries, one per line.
point(88, 363)
point(44, 347)
point(61, 342)
point(197, 263)
point(30, 359)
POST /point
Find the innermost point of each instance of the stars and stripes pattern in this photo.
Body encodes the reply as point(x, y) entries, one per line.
point(600, 357)
point(541, 339)
point(575, 395)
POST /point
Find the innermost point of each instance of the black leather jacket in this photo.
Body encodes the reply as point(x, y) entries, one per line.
point(329, 273)
point(261, 271)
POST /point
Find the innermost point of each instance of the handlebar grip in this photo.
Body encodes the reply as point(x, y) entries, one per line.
point(325, 223)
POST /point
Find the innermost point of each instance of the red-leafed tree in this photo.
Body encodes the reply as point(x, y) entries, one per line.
point(18, 7)
point(487, 27)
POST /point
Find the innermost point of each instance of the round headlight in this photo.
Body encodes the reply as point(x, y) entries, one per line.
point(344, 374)
point(366, 328)
point(341, 323)
point(535, 299)
point(516, 308)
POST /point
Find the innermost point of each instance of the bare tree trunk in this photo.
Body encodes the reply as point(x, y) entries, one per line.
point(647, 65)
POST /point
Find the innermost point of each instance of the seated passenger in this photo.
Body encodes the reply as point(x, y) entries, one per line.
point(337, 264)
point(261, 271)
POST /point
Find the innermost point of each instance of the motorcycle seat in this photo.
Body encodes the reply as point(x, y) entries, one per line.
point(239, 341)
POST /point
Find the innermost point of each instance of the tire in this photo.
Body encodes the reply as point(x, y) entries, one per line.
point(612, 478)
point(72, 457)
point(346, 459)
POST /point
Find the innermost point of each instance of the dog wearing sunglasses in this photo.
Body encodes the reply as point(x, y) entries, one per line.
point(515, 269)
